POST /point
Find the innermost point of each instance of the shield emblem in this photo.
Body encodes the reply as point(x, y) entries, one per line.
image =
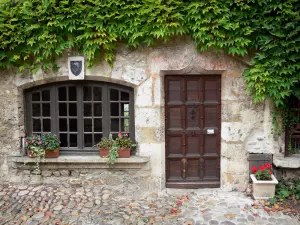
point(76, 67)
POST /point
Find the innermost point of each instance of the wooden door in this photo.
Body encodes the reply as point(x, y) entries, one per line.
point(193, 128)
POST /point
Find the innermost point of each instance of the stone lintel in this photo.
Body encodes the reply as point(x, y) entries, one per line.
point(292, 161)
point(84, 162)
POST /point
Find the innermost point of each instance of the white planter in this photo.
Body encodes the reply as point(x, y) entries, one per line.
point(263, 189)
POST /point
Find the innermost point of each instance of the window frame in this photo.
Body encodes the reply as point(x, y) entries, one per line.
point(54, 114)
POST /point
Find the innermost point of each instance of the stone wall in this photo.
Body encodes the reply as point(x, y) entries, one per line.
point(246, 127)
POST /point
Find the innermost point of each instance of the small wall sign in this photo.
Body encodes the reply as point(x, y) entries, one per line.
point(76, 67)
point(210, 131)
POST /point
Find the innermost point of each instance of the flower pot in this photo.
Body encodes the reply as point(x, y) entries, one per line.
point(104, 152)
point(124, 152)
point(263, 189)
point(52, 153)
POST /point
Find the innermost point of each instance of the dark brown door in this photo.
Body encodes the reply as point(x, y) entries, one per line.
point(193, 128)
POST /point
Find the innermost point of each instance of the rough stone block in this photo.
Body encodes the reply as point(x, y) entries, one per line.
point(75, 173)
point(56, 173)
point(134, 75)
point(75, 181)
point(64, 173)
point(148, 117)
point(144, 94)
point(47, 173)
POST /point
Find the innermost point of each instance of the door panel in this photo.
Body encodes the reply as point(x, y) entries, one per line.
point(193, 124)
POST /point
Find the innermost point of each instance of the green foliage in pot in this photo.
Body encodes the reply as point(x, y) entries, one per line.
point(112, 156)
point(123, 141)
point(105, 143)
point(50, 142)
point(36, 149)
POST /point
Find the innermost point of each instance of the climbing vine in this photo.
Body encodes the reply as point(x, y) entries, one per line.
point(33, 33)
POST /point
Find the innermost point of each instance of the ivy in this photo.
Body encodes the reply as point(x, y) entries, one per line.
point(34, 33)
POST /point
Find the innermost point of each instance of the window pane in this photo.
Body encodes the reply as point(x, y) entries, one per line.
point(63, 125)
point(114, 95)
point(124, 96)
point(87, 109)
point(124, 109)
point(97, 138)
point(63, 140)
point(73, 140)
point(46, 125)
point(87, 93)
point(46, 109)
point(88, 142)
point(97, 109)
point(36, 125)
point(62, 109)
point(73, 125)
point(97, 94)
point(46, 95)
point(114, 126)
point(36, 96)
point(72, 93)
point(88, 125)
point(125, 125)
point(36, 110)
point(98, 125)
point(114, 109)
point(72, 109)
point(62, 94)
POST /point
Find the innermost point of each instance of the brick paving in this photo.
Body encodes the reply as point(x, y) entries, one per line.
point(61, 205)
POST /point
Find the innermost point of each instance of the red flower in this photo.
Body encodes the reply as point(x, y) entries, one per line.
point(254, 169)
point(270, 172)
point(268, 166)
point(262, 168)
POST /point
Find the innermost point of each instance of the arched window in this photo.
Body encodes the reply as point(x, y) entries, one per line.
point(80, 113)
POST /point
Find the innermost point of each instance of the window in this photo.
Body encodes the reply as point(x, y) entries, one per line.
point(80, 113)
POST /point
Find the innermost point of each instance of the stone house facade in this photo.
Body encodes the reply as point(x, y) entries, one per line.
point(211, 154)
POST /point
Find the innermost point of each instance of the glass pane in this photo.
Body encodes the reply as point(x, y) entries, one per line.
point(87, 109)
point(87, 93)
point(36, 125)
point(124, 96)
point(88, 142)
point(36, 96)
point(114, 109)
point(72, 109)
point(125, 125)
point(98, 125)
point(62, 109)
point(46, 109)
point(97, 94)
point(73, 140)
point(114, 95)
point(62, 94)
point(46, 125)
point(63, 140)
point(114, 126)
point(97, 109)
point(73, 125)
point(46, 95)
point(72, 93)
point(36, 110)
point(124, 109)
point(63, 125)
point(88, 125)
point(97, 138)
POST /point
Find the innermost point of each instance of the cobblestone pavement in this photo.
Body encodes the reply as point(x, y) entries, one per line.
point(35, 205)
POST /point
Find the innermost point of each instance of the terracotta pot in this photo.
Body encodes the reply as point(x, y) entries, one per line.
point(104, 152)
point(124, 152)
point(49, 153)
point(263, 189)
point(52, 153)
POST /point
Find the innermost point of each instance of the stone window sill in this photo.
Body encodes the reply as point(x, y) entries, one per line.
point(67, 161)
point(292, 161)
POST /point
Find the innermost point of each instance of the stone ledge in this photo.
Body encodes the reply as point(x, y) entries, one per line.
point(292, 161)
point(86, 162)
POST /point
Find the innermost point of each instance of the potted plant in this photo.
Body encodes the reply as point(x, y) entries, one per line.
point(264, 182)
point(104, 146)
point(35, 149)
point(124, 144)
point(51, 145)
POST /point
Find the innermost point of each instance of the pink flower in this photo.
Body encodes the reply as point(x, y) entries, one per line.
point(268, 166)
point(126, 135)
point(119, 135)
point(32, 141)
point(40, 143)
point(27, 143)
